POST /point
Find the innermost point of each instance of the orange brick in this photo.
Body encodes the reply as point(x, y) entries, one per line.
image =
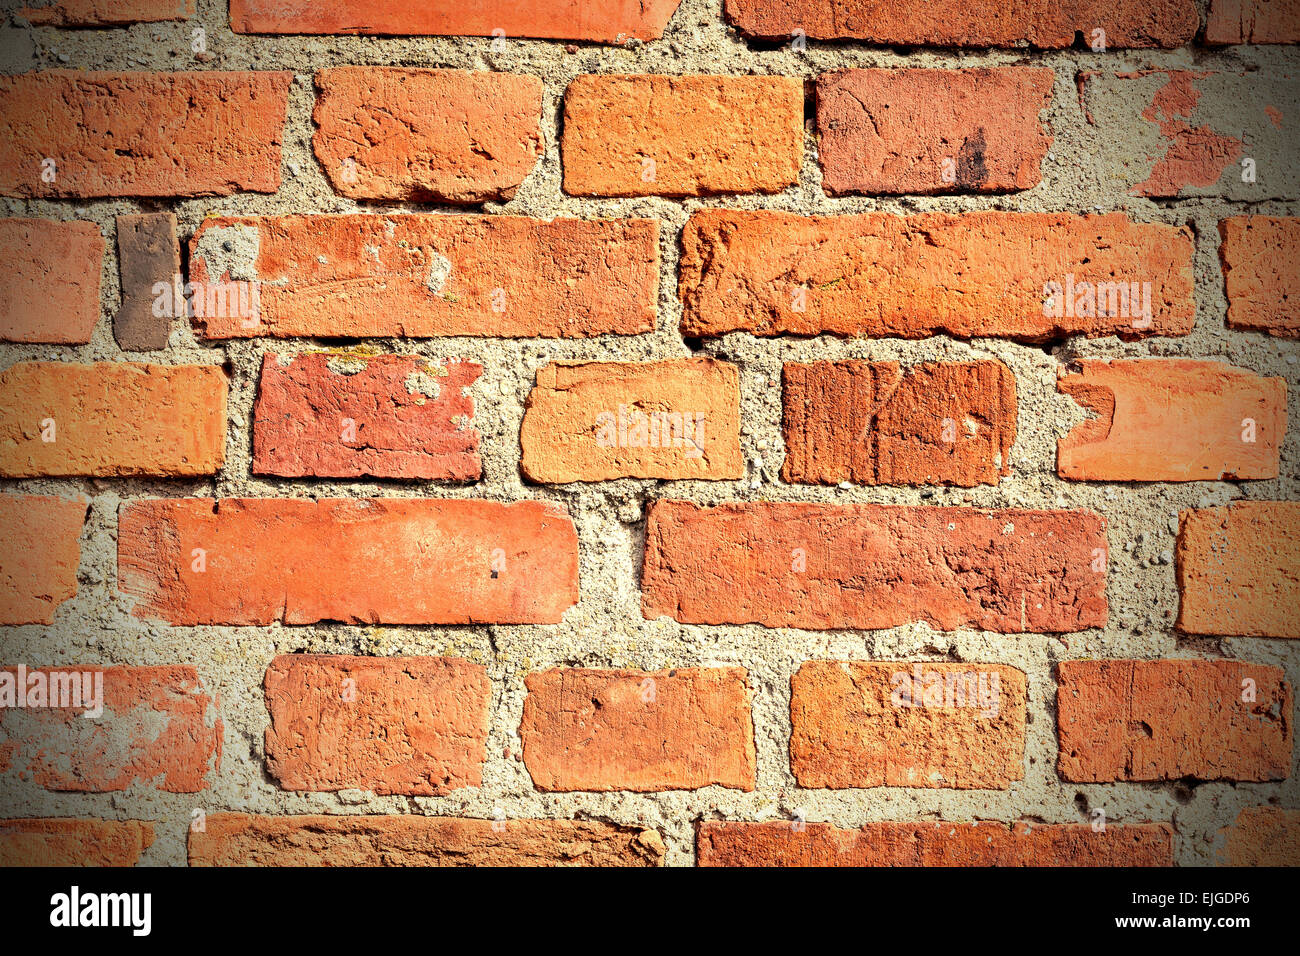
point(408, 725)
point(49, 291)
point(1259, 256)
point(40, 551)
point(681, 135)
point(1166, 719)
point(1172, 420)
point(419, 276)
point(1262, 836)
point(1253, 21)
point(678, 729)
point(141, 134)
point(875, 566)
point(73, 842)
point(976, 274)
point(858, 724)
point(1239, 570)
point(595, 421)
point(111, 419)
point(105, 13)
point(359, 561)
point(874, 424)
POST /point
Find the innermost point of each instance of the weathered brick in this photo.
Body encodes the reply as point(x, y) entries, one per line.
point(238, 839)
point(1172, 420)
point(141, 134)
point(49, 291)
point(977, 274)
point(1178, 133)
point(1167, 719)
point(678, 729)
point(1044, 24)
point(40, 550)
point(606, 21)
point(105, 13)
point(932, 131)
point(148, 254)
point(681, 135)
point(874, 424)
point(1262, 836)
point(73, 842)
point(454, 135)
point(405, 725)
point(111, 419)
point(859, 724)
point(984, 843)
point(593, 421)
point(1239, 570)
point(1259, 255)
point(1253, 21)
point(419, 276)
point(159, 729)
point(875, 566)
point(359, 561)
point(346, 415)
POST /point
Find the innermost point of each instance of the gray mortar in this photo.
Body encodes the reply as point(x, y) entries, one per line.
point(606, 628)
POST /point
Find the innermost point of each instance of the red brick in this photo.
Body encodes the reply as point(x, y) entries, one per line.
point(893, 724)
point(141, 134)
point(111, 419)
point(1239, 570)
point(407, 725)
point(936, 843)
point(159, 729)
point(420, 276)
point(1163, 720)
point(358, 561)
point(593, 421)
point(40, 551)
point(874, 424)
point(1253, 21)
point(605, 21)
point(681, 135)
point(1259, 255)
point(69, 842)
point(875, 566)
point(1172, 420)
point(1044, 24)
point(349, 415)
point(881, 275)
point(678, 729)
point(1262, 836)
point(49, 291)
point(240, 839)
point(418, 135)
point(932, 131)
point(105, 13)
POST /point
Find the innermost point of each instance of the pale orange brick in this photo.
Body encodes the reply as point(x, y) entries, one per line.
point(72, 842)
point(105, 13)
point(1253, 21)
point(1262, 836)
point(1261, 273)
point(49, 291)
point(40, 551)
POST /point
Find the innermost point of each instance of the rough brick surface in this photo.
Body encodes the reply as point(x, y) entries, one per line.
point(141, 134)
point(100, 13)
point(977, 274)
point(406, 725)
point(148, 254)
point(422, 276)
point(40, 551)
point(360, 561)
point(1239, 570)
point(159, 729)
point(1262, 836)
point(595, 421)
point(1045, 24)
point(352, 415)
point(238, 839)
point(933, 844)
point(72, 842)
point(932, 131)
point(871, 423)
point(679, 729)
point(1172, 420)
point(601, 20)
point(49, 290)
point(111, 419)
point(419, 135)
point(1167, 719)
point(875, 566)
point(681, 135)
point(1253, 21)
point(1260, 274)
point(895, 724)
